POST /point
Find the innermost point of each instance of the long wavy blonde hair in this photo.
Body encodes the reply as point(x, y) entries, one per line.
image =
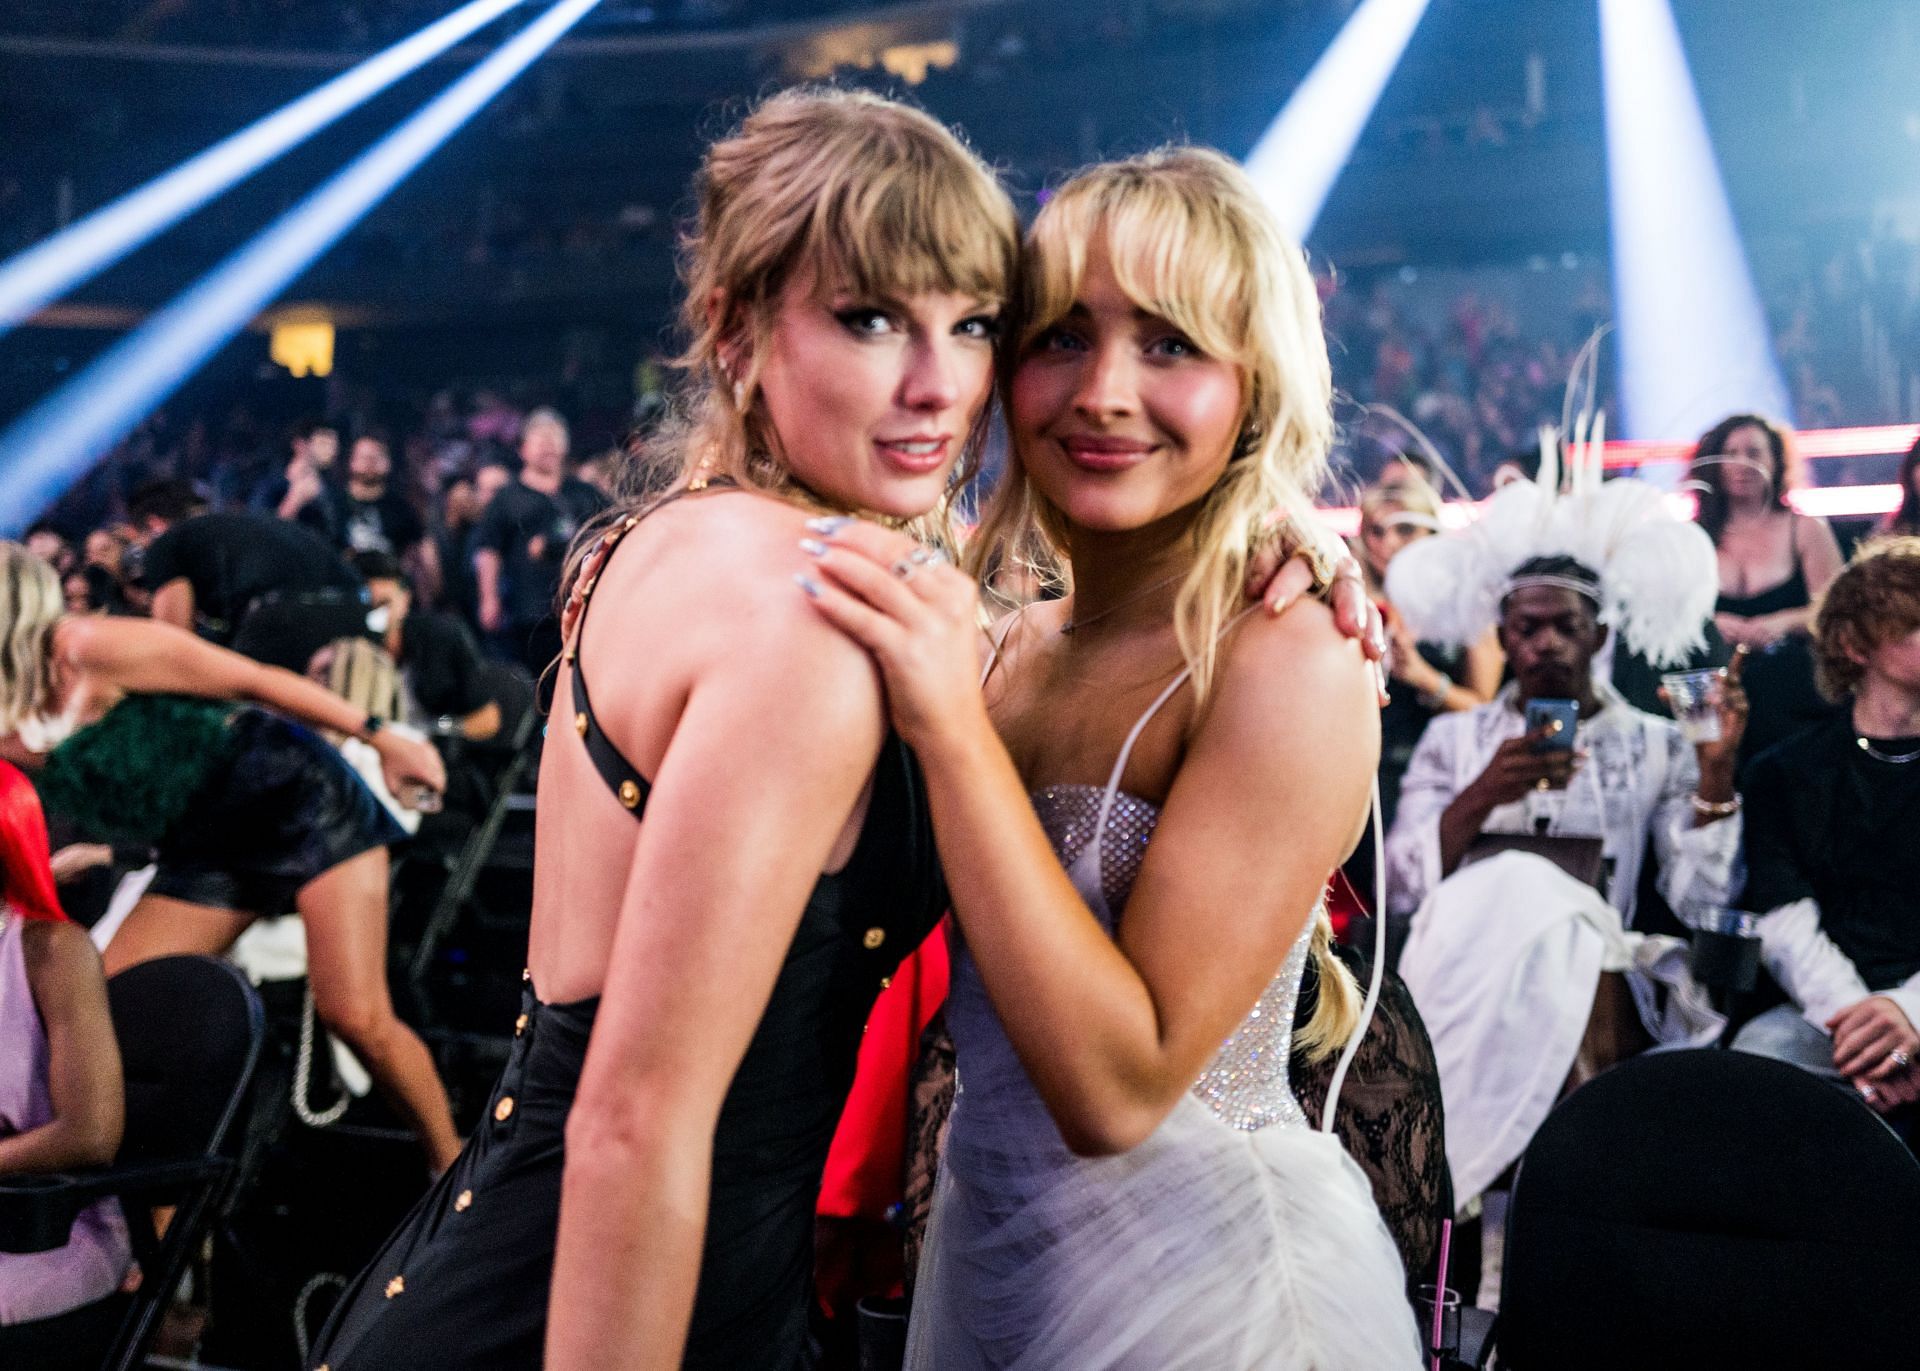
point(863, 192)
point(1190, 242)
point(30, 605)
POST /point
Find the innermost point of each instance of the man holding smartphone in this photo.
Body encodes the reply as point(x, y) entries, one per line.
point(1605, 769)
point(1525, 969)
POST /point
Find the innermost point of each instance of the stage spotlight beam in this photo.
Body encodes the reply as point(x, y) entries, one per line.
point(1694, 341)
point(81, 251)
point(55, 443)
point(1301, 155)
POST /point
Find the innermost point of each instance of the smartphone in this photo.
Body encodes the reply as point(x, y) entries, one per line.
point(1541, 713)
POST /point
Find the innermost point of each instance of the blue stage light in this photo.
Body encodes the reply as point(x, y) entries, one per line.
point(54, 443)
point(81, 251)
point(1694, 343)
point(1298, 159)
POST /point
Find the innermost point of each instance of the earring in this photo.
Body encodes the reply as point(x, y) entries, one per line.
point(739, 394)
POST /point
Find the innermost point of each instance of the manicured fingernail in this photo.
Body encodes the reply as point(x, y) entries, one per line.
point(828, 524)
point(807, 583)
point(813, 547)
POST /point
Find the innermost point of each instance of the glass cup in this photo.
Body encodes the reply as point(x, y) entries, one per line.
point(1694, 698)
point(1442, 1333)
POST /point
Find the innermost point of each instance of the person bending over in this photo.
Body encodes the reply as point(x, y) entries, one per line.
point(146, 735)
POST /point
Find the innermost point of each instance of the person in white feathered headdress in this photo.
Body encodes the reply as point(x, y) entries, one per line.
point(1514, 941)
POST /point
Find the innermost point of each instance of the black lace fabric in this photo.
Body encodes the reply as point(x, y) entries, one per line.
point(929, 1101)
point(1389, 1118)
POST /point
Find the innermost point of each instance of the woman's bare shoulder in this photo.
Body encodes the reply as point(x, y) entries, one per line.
point(1302, 640)
point(731, 540)
point(58, 956)
point(1298, 662)
point(718, 572)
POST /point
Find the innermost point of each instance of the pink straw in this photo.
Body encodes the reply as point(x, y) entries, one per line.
point(1440, 1290)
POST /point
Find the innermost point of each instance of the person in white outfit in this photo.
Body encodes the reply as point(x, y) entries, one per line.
point(1508, 956)
point(1139, 818)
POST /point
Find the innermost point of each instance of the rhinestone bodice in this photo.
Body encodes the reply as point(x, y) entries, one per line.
point(1246, 1084)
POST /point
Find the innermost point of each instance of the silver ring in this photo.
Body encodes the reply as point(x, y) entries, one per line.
point(1898, 1057)
point(926, 556)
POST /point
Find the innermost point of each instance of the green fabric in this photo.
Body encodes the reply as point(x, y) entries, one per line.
point(126, 778)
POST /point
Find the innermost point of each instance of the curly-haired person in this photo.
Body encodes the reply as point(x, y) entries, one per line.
point(1830, 862)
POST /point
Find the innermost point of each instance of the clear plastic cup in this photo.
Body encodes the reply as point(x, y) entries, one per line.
point(1694, 698)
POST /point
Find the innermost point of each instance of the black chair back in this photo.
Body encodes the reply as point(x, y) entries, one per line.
point(189, 1030)
point(1710, 1209)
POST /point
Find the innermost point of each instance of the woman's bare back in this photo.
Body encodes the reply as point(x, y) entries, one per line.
point(663, 620)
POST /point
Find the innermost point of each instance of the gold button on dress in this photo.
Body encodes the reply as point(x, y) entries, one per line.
point(504, 1110)
point(875, 936)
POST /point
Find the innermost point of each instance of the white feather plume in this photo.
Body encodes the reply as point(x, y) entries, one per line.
point(1658, 576)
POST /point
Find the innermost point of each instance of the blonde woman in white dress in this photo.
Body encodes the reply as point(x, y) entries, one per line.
point(1138, 819)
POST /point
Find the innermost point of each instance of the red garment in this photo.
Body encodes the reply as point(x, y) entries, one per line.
point(26, 875)
point(866, 1166)
point(1343, 904)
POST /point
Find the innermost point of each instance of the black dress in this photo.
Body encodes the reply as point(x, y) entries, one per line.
point(464, 1282)
point(1781, 695)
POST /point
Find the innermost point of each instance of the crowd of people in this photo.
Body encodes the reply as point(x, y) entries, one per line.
point(1480, 376)
point(786, 757)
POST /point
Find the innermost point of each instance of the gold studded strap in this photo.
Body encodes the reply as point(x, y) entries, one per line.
point(627, 784)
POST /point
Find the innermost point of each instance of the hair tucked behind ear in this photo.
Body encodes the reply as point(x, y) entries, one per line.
point(1190, 241)
point(854, 189)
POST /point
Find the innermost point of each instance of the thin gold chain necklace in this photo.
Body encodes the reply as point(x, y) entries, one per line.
point(1077, 623)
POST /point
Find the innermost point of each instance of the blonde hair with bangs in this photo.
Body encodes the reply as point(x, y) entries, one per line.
point(30, 605)
point(866, 193)
point(1190, 242)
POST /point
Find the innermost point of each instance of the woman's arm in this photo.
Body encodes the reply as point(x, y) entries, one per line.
point(1268, 800)
point(1820, 556)
point(83, 1057)
point(138, 655)
point(767, 761)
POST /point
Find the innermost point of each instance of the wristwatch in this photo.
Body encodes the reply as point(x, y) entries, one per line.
point(371, 727)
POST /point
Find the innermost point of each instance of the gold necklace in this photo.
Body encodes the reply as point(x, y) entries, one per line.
point(1076, 623)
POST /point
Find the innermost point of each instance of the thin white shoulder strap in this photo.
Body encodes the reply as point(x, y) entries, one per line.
point(1126, 752)
point(1133, 736)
